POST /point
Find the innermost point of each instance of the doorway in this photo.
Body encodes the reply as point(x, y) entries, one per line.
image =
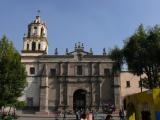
point(146, 115)
point(79, 100)
point(30, 101)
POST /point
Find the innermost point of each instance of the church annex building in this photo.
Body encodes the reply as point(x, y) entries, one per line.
point(76, 80)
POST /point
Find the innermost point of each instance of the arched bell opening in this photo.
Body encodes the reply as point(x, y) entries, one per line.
point(33, 46)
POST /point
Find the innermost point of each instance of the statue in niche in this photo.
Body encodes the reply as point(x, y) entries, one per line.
point(96, 69)
point(79, 55)
point(64, 66)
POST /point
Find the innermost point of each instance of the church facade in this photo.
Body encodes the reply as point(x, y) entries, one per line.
point(76, 80)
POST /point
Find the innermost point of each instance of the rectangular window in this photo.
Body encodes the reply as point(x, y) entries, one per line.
point(52, 72)
point(128, 84)
point(79, 70)
point(32, 70)
point(29, 101)
point(106, 72)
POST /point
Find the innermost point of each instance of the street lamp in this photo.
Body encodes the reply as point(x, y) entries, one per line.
point(64, 114)
point(141, 83)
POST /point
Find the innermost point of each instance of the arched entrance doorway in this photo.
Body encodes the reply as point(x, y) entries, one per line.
point(79, 100)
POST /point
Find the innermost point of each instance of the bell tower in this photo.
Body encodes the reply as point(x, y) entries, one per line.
point(35, 41)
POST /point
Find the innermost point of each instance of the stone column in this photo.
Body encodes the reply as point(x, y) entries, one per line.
point(93, 94)
point(90, 96)
point(88, 99)
point(44, 91)
point(65, 95)
point(97, 94)
point(117, 90)
point(44, 95)
point(61, 94)
point(100, 97)
point(58, 66)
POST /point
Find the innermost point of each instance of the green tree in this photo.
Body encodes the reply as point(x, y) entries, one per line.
point(116, 54)
point(12, 74)
point(134, 51)
point(141, 53)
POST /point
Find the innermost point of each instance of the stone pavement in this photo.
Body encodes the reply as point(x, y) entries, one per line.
point(33, 116)
point(50, 118)
point(68, 117)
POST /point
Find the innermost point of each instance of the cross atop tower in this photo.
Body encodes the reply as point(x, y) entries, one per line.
point(38, 12)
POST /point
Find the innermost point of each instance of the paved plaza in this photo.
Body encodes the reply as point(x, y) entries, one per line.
point(67, 117)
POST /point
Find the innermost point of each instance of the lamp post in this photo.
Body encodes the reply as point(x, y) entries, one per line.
point(64, 117)
point(141, 83)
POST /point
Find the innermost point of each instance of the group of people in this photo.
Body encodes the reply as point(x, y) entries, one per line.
point(80, 115)
point(121, 115)
point(89, 116)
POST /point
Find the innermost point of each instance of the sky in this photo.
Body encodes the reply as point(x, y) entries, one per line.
point(96, 23)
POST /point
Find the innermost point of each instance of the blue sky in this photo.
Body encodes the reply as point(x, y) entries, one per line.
point(97, 23)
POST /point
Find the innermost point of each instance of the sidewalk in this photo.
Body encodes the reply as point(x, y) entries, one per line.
point(98, 116)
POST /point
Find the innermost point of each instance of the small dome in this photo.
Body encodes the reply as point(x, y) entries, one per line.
point(37, 28)
point(37, 20)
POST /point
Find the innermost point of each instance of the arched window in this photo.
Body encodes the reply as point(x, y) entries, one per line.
point(39, 46)
point(27, 46)
point(35, 30)
point(33, 46)
point(32, 70)
point(79, 70)
point(42, 31)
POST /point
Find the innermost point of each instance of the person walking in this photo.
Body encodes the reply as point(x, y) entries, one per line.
point(90, 116)
point(83, 117)
point(121, 114)
point(108, 117)
point(78, 115)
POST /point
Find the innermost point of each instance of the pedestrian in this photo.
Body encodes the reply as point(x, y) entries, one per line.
point(77, 115)
point(64, 115)
point(90, 116)
point(121, 114)
point(83, 117)
point(108, 117)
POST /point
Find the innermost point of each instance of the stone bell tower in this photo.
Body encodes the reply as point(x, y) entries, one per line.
point(35, 41)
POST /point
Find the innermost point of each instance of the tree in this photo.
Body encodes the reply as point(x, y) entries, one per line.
point(12, 74)
point(141, 53)
point(116, 54)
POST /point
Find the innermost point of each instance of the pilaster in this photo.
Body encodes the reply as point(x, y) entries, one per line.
point(44, 91)
point(61, 94)
point(117, 90)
